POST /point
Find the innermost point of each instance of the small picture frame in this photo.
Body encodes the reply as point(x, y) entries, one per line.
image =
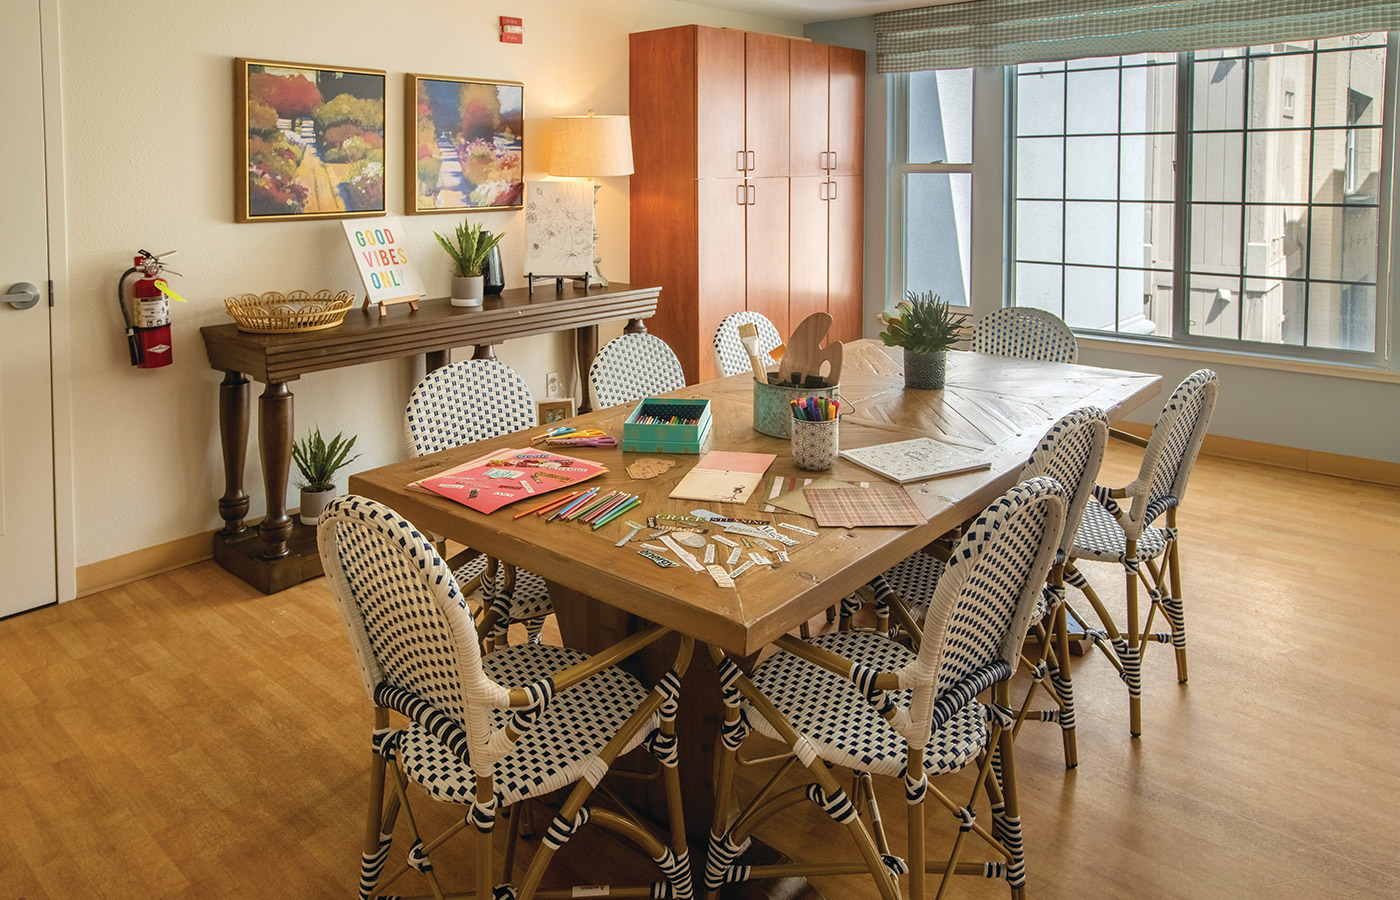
point(466, 144)
point(552, 412)
point(308, 141)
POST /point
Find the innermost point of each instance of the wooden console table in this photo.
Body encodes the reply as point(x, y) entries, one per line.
point(279, 553)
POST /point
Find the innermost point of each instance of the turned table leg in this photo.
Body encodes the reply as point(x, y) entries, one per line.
point(436, 359)
point(275, 447)
point(635, 326)
point(484, 351)
point(586, 341)
point(233, 436)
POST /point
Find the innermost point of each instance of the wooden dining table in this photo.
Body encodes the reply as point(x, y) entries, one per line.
point(602, 592)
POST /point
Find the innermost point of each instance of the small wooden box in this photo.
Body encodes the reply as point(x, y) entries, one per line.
point(682, 437)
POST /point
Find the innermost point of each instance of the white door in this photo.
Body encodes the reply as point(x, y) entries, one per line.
point(27, 548)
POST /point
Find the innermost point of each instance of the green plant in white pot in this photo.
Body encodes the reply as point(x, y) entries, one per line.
point(927, 329)
point(469, 248)
point(318, 460)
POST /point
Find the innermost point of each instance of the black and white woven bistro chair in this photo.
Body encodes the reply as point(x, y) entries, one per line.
point(860, 701)
point(1070, 453)
point(730, 354)
point(630, 367)
point(1124, 534)
point(486, 732)
point(475, 400)
point(1026, 333)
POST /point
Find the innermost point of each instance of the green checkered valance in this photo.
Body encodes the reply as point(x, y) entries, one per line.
point(1006, 32)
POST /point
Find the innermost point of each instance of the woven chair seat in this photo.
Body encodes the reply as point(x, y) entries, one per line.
point(555, 752)
point(1102, 538)
point(914, 578)
point(528, 600)
point(841, 724)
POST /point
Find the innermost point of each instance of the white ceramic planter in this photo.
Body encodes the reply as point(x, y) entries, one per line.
point(468, 291)
point(312, 502)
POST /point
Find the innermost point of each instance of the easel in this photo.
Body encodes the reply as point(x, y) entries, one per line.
point(531, 277)
point(411, 300)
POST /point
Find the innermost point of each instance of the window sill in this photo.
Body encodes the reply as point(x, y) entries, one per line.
point(1250, 360)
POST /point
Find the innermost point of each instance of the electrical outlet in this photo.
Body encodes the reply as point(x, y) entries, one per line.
point(551, 385)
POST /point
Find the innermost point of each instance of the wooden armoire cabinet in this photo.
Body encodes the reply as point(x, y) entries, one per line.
point(747, 194)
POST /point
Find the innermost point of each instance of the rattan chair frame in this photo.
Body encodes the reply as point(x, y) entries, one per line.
point(1026, 333)
point(430, 596)
point(939, 692)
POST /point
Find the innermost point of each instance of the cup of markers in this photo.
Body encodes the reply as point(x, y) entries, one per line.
point(815, 433)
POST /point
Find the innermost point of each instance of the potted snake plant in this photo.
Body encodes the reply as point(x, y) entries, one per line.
point(469, 247)
point(925, 327)
point(318, 460)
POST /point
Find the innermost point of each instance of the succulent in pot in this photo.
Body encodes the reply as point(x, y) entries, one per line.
point(927, 329)
point(318, 460)
point(469, 248)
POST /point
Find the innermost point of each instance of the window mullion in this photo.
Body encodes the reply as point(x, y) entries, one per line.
point(1181, 285)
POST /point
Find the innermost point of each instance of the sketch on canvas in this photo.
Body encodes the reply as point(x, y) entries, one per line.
point(559, 228)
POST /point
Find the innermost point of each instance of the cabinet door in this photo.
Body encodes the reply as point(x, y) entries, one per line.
point(846, 240)
point(721, 207)
point(807, 278)
point(808, 114)
point(719, 103)
point(766, 61)
point(846, 109)
point(767, 242)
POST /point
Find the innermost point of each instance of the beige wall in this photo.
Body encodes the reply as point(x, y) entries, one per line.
point(148, 115)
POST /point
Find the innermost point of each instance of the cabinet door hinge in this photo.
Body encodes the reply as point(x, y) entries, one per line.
point(50, 293)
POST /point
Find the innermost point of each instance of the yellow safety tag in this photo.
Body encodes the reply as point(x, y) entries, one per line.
point(165, 289)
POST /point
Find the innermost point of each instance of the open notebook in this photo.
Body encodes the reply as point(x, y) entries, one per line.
point(917, 459)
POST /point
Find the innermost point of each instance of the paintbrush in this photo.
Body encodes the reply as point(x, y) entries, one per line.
point(748, 336)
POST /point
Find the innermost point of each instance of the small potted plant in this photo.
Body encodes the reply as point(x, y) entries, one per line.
point(926, 329)
point(469, 251)
point(318, 461)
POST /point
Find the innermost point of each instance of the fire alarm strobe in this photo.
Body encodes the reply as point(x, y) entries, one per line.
point(512, 30)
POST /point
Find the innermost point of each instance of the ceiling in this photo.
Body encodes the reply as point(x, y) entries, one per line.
point(815, 10)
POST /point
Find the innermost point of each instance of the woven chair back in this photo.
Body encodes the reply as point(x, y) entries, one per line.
point(1071, 453)
point(982, 605)
point(633, 366)
point(1175, 443)
point(729, 350)
point(467, 401)
point(1026, 333)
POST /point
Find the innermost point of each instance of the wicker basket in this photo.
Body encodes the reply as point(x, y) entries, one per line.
point(277, 313)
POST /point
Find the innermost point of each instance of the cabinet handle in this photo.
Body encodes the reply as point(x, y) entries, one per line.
point(832, 194)
point(753, 195)
point(739, 195)
point(826, 160)
point(739, 160)
point(822, 192)
point(833, 160)
point(751, 162)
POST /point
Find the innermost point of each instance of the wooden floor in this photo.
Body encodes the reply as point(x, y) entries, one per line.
point(185, 736)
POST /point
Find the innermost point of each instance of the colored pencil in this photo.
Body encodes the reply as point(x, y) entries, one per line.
point(585, 510)
point(606, 507)
point(636, 500)
point(548, 504)
point(583, 498)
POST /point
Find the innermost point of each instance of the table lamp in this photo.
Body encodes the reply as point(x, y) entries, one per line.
point(592, 147)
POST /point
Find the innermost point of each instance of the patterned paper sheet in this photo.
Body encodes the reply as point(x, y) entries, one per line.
point(879, 506)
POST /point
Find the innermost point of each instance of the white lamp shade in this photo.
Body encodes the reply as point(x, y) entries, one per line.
point(591, 146)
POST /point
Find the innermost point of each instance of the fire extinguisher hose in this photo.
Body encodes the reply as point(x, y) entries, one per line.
point(133, 345)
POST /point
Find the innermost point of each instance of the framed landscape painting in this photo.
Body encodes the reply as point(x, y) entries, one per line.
point(466, 140)
point(308, 141)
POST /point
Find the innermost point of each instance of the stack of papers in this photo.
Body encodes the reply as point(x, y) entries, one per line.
point(502, 477)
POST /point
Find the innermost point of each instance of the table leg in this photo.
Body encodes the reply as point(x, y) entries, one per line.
point(586, 342)
point(233, 436)
point(484, 351)
point(436, 359)
point(275, 448)
point(635, 326)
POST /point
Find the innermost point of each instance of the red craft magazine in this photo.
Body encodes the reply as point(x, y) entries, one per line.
point(499, 479)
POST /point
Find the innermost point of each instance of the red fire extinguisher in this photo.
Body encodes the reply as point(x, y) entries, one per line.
point(146, 310)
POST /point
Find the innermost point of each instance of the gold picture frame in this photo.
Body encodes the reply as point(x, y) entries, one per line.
point(449, 119)
point(309, 141)
point(552, 412)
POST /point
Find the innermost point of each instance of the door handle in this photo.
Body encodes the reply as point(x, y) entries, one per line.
point(831, 195)
point(22, 295)
point(753, 195)
point(833, 160)
point(822, 163)
point(824, 190)
point(739, 160)
point(752, 166)
point(739, 195)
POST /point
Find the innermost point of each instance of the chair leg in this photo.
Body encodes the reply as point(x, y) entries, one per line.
point(1176, 613)
point(724, 796)
point(379, 824)
point(1063, 682)
point(1131, 652)
point(484, 881)
point(918, 854)
point(1008, 823)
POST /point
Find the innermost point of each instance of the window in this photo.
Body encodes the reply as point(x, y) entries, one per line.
point(935, 184)
point(1219, 196)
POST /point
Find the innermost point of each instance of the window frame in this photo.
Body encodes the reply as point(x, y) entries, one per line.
point(1387, 297)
